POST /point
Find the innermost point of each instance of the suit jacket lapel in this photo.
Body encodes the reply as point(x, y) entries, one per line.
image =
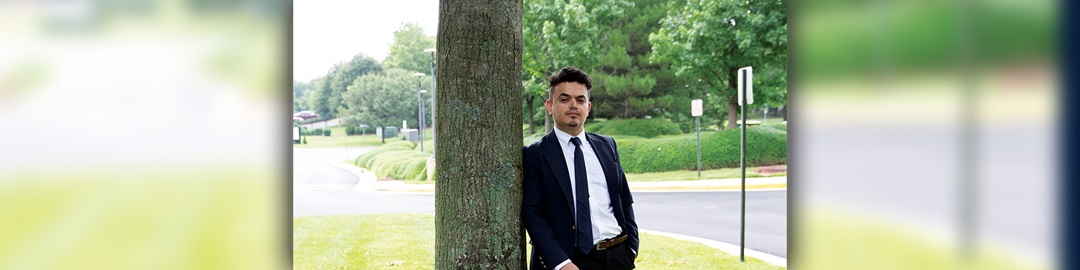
point(552, 151)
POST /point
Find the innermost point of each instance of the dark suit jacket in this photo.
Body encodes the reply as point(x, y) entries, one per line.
point(548, 204)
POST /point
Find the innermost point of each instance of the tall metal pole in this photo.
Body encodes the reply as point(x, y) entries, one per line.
point(698, 121)
point(969, 141)
point(433, 129)
point(742, 175)
point(420, 112)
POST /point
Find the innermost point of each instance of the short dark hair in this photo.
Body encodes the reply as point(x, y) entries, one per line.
point(568, 74)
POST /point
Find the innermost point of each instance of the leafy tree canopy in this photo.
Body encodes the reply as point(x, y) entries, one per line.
point(407, 50)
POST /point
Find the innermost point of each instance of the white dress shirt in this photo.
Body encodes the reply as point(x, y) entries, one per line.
point(604, 225)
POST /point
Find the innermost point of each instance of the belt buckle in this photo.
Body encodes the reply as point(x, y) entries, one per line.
point(602, 242)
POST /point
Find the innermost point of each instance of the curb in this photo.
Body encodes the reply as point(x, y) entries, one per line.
point(367, 178)
point(725, 247)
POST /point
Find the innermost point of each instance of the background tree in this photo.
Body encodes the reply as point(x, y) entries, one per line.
point(563, 33)
point(344, 75)
point(324, 94)
point(382, 99)
point(533, 90)
point(711, 40)
point(298, 94)
point(407, 50)
point(626, 84)
point(316, 96)
point(478, 199)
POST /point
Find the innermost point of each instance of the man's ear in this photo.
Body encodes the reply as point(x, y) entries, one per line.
point(547, 105)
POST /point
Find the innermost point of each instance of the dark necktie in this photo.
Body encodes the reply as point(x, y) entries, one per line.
point(584, 221)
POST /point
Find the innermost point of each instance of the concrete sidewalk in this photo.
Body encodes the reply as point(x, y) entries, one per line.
point(369, 183)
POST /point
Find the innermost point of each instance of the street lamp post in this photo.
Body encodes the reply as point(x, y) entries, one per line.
point(420, 110)
point(434, 130)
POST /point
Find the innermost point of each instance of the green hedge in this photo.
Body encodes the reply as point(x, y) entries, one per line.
point(647, 128)
point(764, 146)
point(351, 130)
point(397, 160)
point(315, 132)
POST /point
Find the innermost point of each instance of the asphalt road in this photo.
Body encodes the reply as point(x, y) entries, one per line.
point(323, 189)
point(714, 215)
point(320, 188)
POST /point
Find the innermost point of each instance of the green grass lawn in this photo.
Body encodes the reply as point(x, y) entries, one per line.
point(693, 175)
point(406, 241)
point(338, 138)
point(772, 121)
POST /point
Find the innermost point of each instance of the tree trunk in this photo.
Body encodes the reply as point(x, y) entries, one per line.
point(732, 113)
point(733, 102)
point(532, 115)
point(783, 111)
point(478, 194)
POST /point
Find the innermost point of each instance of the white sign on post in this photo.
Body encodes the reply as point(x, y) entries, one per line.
point(746, 84)
point(695, 107)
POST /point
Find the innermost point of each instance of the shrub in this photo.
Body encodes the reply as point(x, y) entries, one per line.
point(765, 146)
point(398, 160)
point(647, 128)
point(365, 160)
point(427, 146)
point(326, 132)
point(349, 130)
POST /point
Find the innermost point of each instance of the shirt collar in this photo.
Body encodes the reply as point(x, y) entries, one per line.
point(564, 138)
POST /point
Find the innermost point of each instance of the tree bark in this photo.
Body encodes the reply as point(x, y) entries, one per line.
point(478, 194)
point(733, 102)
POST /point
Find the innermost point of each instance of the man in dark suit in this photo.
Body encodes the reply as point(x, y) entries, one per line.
point(576, 203)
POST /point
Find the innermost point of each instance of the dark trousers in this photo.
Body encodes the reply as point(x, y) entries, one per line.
point(615, 258)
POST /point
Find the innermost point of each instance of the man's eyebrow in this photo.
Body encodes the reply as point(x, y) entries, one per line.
point(568, 95)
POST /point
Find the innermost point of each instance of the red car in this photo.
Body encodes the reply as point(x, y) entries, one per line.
point(305, 115)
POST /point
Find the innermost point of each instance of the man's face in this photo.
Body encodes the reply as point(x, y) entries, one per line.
point(569, 105)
